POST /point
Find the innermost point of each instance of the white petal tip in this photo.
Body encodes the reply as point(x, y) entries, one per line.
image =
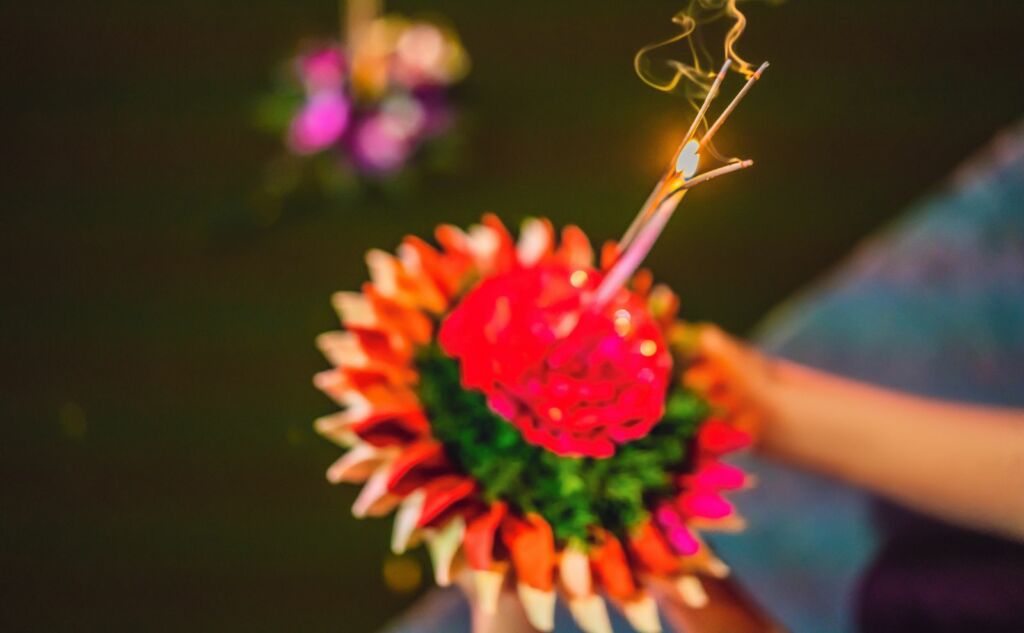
point(443, 546)
point(642, 614)
point(691, 592)
point(487, 586)
point(717, 568)
point(539, 606)
point(591, 614)
point(406, 518)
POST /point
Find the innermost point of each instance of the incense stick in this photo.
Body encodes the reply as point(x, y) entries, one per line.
point(656, 211)
point(648, 207)
point(732, 105)
point(714, 173)
point(712, 93)
point(630, 260)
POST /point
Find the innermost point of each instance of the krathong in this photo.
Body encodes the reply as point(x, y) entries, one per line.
point(534, 412)
point(367, 104)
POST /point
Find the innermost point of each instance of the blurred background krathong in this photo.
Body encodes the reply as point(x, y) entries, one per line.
point(368, 108)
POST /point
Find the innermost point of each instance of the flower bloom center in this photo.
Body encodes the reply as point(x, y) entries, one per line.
point(576, 381)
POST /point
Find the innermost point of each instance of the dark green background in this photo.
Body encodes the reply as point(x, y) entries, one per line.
point(158, 465)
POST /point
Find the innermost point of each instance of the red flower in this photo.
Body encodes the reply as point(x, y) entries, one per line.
point(573, 380)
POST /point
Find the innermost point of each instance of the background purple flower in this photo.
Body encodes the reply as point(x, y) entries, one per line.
point(381, 143)
point(319, 123)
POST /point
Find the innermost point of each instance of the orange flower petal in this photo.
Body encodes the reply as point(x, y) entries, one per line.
point(505, 256)
point(649, 547)
point(479, 539)
point(446, 272)
point(642, 282)
point(575, 250)
point(441, 494)
point(416, 464)
point(389, 430)
point(536, 240)
point(415, 325)
point(358, 464)
point(609, 254)
point(531, 545)
point(611, 567)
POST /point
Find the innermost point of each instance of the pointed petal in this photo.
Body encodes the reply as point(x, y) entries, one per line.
point(479, 538)
point(718, 436)
point(574, 572)
point(531, 545)
point(384, 274)
point(443, 545)
point(611, 567)
point(591, 614)
point(663, 304)
point(410, 322)
point(389, 430)
point(536, 239)
point(335, 428)
point(420, 281)
point(717, 567)
point(487, 585)
point(367, 351)
point(339, 388)
point(355, 310)
point(415, 465)
point(731, 524)
point(358, 464)
point(575, 250)
point(609, 254)
point(406, 518)
point(642, 282)
point(712, 474)
point(691, 591)
point(505, 257)
point(373, 499)
point(704, 561)
point(642, 614)
point(444, 271)
point(679, 536)
point(539, 606)
point(650, 548)
point(703, 504)
point(443, 493)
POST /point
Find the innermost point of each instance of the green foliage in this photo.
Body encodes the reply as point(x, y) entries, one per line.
point(571, 493)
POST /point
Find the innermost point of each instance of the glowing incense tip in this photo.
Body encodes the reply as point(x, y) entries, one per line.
point(688, 159)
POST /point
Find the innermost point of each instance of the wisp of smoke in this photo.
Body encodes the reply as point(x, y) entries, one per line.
point(697, 75)
point(657, 68)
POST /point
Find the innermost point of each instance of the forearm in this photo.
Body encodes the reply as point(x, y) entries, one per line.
point(962, 463)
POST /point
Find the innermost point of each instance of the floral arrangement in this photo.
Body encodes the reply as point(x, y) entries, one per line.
point(366, 107)
point(520, 428)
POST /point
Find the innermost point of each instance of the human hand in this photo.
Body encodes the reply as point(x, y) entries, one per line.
point(735, 377)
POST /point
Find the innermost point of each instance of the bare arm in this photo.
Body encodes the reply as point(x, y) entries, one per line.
point(962, 463)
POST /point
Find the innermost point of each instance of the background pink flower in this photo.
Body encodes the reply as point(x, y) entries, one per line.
point(320, 123)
